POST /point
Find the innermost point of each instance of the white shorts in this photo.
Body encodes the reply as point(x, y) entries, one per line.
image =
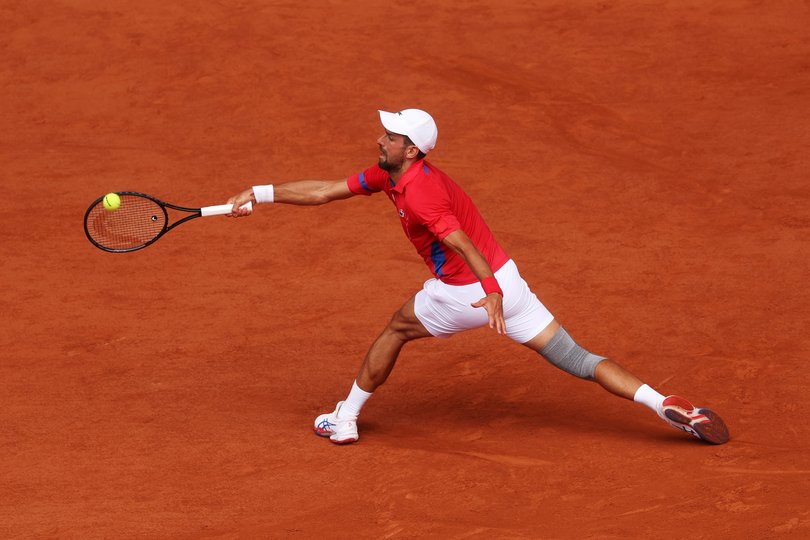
point(445, 309)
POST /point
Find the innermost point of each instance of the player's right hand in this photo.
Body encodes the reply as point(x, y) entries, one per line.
point(239, 200)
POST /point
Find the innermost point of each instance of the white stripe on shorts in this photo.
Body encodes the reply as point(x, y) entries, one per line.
point(445, 309)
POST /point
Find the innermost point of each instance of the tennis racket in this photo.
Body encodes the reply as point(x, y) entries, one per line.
point(139, 222)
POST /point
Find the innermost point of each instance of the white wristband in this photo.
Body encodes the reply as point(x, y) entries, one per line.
point(264, 194)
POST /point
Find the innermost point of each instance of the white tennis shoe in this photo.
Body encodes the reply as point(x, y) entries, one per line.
point(704, 424)
point(340, 430)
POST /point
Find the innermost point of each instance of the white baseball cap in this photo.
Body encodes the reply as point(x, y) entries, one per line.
point(417, 125)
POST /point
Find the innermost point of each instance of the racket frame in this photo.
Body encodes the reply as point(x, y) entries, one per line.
point(194, 213)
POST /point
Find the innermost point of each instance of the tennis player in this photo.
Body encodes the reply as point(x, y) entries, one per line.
point(475, 282)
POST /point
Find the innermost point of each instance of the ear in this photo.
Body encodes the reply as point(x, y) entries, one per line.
point(411, 152)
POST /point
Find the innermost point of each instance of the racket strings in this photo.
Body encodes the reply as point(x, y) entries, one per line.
point(136, 222)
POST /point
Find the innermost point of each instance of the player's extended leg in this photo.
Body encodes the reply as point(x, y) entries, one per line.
point(556, 346)
point(610, 375)
point(341, 424)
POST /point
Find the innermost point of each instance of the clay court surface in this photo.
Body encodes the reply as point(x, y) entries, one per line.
point(645, 163)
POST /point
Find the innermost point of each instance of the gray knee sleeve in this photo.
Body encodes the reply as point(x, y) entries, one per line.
point(564, 353)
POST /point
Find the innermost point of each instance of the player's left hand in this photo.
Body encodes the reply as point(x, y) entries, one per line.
point(493, 303)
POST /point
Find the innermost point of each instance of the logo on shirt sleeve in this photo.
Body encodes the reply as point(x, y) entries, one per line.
point(401, 213)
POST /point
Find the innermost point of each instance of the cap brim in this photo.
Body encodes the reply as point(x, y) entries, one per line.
point(393, 122)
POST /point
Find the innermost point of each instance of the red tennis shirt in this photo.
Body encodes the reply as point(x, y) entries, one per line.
point(431, 206)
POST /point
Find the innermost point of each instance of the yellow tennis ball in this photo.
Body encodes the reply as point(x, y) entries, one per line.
point(111, 202)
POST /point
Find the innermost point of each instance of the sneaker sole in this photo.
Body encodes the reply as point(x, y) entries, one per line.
point(713, 430)
point(343, 441)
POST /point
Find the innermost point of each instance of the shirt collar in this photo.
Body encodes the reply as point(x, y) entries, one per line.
point(412, 172)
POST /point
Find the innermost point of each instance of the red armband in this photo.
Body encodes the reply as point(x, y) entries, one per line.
point(490, 285)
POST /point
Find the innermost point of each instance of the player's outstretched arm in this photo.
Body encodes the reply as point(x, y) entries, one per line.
point(302, 193)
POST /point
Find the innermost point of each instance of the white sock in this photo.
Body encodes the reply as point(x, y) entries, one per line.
point(357, 398)
point(649, 397)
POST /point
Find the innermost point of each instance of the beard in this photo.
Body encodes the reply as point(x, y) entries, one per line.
point(389, 166)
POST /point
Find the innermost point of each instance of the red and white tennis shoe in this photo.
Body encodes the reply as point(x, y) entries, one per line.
point(704, 424)
point(340, 430)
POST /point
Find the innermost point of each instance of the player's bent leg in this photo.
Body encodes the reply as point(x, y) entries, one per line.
point(382, 355)
point(341, 424)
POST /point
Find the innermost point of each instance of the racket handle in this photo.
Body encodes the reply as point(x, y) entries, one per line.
point(222, 209)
